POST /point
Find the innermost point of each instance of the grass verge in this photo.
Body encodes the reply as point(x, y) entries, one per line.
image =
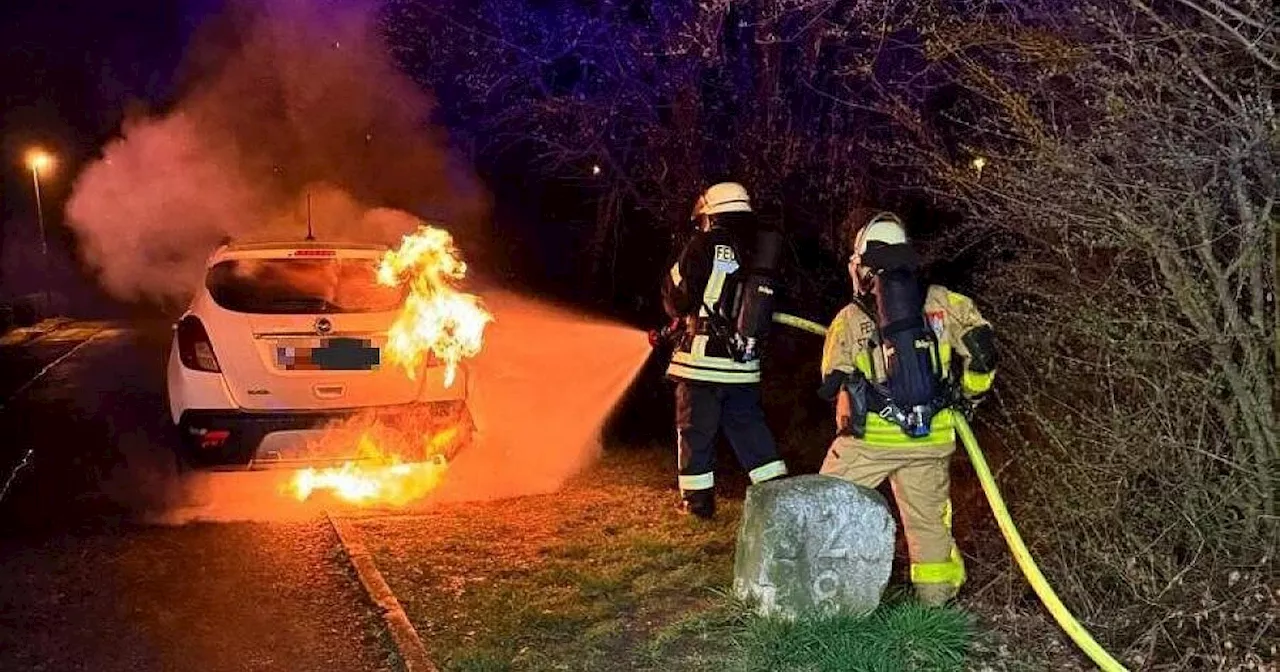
point(605, 575)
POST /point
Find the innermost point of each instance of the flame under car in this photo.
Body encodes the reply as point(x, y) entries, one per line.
point(285, 346)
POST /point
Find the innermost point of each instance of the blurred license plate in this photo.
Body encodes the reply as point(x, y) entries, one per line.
point(330, 354)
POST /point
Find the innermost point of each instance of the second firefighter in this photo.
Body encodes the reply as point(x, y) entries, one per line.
point(717, 375)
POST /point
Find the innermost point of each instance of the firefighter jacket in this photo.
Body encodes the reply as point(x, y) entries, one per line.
point(851, 347)
point(701, 290)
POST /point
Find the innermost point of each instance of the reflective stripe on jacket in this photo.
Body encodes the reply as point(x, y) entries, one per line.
point(850, 347)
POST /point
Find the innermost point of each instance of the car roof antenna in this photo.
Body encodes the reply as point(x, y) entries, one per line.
point(310, 236)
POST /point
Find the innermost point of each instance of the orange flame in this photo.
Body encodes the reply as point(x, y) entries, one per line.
point(437, 318)
point(437, 321)
point(375, 476)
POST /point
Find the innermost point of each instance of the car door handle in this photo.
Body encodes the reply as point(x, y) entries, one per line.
point(329, 391)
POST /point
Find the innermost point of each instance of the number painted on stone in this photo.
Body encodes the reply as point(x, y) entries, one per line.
point(826, 585)
point(831, 547)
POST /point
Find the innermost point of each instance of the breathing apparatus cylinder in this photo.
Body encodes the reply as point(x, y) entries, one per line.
point(757, 295)
point(910, 348)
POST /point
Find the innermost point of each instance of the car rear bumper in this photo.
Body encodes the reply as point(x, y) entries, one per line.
point(230, 439)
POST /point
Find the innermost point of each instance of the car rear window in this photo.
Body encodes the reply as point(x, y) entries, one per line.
point(301, 286)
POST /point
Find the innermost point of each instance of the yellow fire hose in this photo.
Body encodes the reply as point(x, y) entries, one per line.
point(1026, 563)
point(800, 323)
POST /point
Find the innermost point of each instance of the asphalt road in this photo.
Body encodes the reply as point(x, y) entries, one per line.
point(88, 583)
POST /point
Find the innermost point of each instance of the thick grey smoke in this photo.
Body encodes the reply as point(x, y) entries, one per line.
point(287, 97)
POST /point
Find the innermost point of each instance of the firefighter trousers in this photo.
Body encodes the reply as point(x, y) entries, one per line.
point(921, 481)
point(702, 409)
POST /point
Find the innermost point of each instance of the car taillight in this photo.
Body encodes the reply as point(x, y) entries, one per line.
point(214, 438)
point(194, 348)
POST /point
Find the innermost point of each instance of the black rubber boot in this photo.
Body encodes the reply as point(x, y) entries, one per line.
point(701, 503)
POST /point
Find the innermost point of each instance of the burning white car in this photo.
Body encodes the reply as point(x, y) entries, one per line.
point(286, 341)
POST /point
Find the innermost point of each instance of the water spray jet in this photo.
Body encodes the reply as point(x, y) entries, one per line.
point(543, 387)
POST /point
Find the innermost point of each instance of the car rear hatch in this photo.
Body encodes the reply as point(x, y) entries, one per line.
point(306, 329)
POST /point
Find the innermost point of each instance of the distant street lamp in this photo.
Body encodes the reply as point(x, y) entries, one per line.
point(39, 161)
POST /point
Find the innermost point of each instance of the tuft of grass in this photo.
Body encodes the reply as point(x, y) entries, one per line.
point(481, 660)
point(899, 636)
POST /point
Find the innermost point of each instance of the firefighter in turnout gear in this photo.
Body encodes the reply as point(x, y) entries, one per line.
point(898, 361)
point(717, 373)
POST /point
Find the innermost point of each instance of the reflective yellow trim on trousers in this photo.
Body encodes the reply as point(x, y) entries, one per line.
point(697, 481)
point(950, 571)
point(767, 471)
point(976, 383)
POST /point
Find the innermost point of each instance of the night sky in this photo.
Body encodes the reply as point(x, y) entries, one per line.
point(72, 69)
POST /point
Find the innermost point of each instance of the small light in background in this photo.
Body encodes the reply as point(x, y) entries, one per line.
point(595, 170)
point(979, 162)
point(39, 160)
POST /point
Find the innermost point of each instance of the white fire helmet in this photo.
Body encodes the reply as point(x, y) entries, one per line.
point(885, 228)
point(720, 198)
